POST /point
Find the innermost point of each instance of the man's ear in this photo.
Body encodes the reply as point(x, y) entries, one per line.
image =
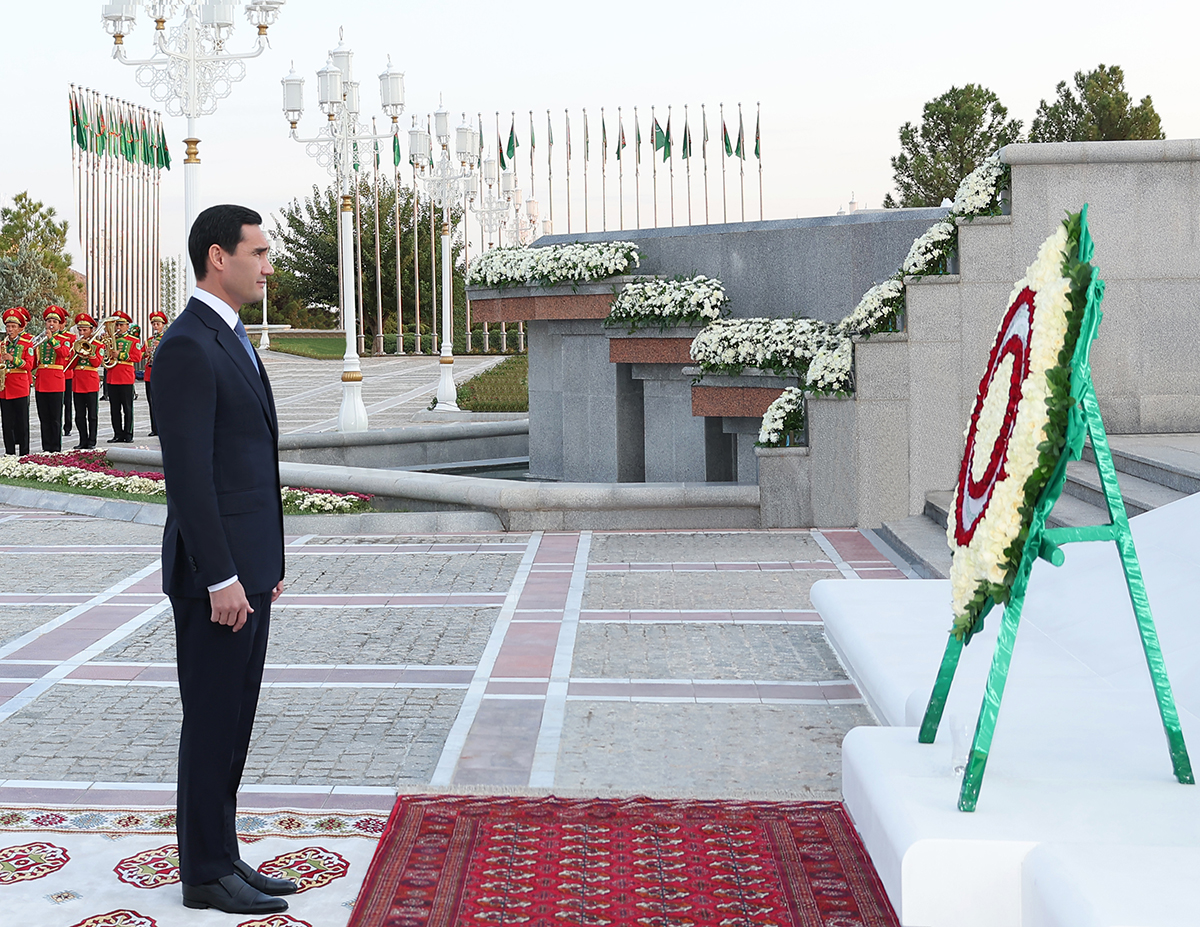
point(216, 257)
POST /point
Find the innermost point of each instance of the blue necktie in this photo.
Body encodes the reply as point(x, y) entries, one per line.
point(240, 331)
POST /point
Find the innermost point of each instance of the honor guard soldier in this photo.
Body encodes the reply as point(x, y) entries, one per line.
point(68, 377)
point(86, 363)
point(16, 349)
point(158, 324)
point(121, 378)
point(51, 353)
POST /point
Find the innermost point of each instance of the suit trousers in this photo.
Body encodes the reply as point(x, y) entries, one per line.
point(120, 402)
point(14, 415)
point(220, 672)
point(87, 407)
point(150, 403)
point(67, 404)
point(50, 416)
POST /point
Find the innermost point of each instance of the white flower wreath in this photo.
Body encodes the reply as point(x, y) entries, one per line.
point(1009, 421)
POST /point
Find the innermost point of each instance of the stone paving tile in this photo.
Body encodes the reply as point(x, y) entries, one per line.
point(86, 571)
point(695, 651)
point(683, 547)
point(430, 572)
point(732, 589)
point(418, 539)
point(30, 531)
point(17, 621)
point(382, 737)
point(442, 637)
point(705, 750)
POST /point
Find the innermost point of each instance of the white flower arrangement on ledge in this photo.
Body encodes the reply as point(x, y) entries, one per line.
point(979, 192)
point(17, 468)
point(783, 420)
point(879, 309)
point(931, 252)
point(576, 263)
point(785, 346)
point(664, 303)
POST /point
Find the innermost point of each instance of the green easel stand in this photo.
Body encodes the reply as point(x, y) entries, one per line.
point(1045, 543)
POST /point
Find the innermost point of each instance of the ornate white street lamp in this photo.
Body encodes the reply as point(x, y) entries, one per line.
point(191, 69)
point(491, 209)
point(334, 148)
point(446, 184)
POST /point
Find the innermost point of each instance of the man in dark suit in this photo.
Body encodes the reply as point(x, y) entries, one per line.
point(222, 555)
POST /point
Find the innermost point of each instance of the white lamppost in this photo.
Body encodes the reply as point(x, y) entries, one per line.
point(334, 148)
point(190, 69)
point(446, 184)
point(491, 209)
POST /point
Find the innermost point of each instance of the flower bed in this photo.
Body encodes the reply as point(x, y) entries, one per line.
point(665, 303)
point(577, 262)
point(1018, 426)
point(784, 420)
point(90, 470)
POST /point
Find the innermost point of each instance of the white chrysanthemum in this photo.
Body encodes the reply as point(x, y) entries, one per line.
point(576, 262)
point(670, 301)
point(930, 248)
point(790, 401)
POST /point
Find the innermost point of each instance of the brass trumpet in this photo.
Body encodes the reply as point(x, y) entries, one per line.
point(106, 335)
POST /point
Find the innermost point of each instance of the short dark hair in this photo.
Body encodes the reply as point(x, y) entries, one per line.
point(218, 225)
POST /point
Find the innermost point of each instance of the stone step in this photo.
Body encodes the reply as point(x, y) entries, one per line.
point(1069, 511)
point(1139, 455)
point(1140, 495)
point(921, 542)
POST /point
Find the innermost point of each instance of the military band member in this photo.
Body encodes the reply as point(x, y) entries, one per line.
point(17, 354)
point(68, 378)
point(51, 357)
point(120, 378)
point(158, 324)
point(86, 364)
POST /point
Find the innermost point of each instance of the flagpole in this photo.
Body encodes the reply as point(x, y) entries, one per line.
point(687, 161)
point(433, 276)
point(620, 171)
point(758, 155)
point(670, 167)
point(724, 144)
point(704, 156)
point(585, 164)
point(637, 171)
point(396, 221)
point(603, 173)
point(378, 350)
point(532, 147)
point(416, 258)
point(358, 263)
point(568, 117)
point(654, 164)
point(742, 161)
point(550, 167)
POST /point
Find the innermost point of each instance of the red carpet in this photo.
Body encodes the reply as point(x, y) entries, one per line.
point(446, 861)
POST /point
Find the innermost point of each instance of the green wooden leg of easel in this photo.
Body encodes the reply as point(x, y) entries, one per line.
point(1132, 567)
point(997, 677)
point(941, 690)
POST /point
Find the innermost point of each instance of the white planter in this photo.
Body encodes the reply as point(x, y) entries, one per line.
point(784, 487)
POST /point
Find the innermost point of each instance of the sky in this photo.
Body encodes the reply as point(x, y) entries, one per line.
point(835, 82)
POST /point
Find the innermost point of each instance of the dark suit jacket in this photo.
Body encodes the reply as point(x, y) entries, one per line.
point(219, 434)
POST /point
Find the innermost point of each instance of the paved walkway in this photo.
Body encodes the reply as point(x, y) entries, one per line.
point(309, 393)
point(660, 663)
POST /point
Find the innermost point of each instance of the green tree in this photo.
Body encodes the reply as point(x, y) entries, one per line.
point(303, 291)
point(958, 130)
point(1098, 109)
point(32, 225)
point(25, 280)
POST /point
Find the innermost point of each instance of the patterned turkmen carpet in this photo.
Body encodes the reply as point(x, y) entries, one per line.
point(445, 861)
point(103, 867)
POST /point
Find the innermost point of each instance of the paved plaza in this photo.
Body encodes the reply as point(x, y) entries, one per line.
point(585, 662)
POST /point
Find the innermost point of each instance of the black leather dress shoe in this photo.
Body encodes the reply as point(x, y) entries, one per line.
point(232, 895)
point(264, 883)
point(114, 440)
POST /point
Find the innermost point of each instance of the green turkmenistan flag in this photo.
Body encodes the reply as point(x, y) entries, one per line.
point(513, 144)
point(687, 140)
point(163, 154)
point(500, 150)
point(396, 150)
point(661, 140)
point(728, 144)
point(620, 137)
point(757, 138)
point(79, 124)
point(532, 137)
point(356, 164)
point(740, 148)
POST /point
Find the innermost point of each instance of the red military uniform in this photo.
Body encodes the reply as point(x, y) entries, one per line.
point(52, 355)
point(120, 378)
point(157, 316)
point(18, 361)
point(86, 368)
